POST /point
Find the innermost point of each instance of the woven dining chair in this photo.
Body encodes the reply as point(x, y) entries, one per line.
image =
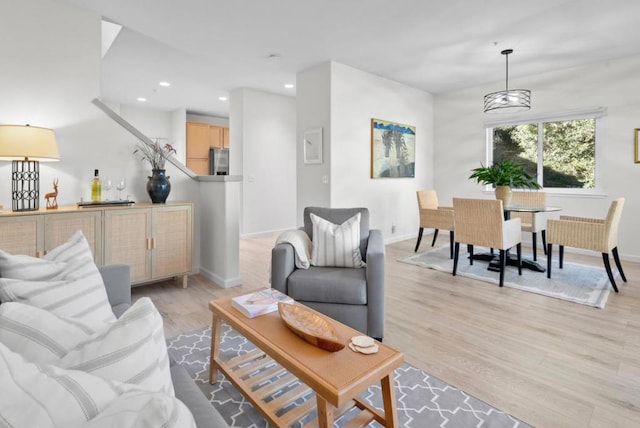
point(481, 222)
point(434, 216)
point(532, 222)
point(599, 235)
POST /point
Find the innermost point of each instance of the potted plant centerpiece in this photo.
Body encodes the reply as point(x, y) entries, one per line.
point(158, 185)
point(504, 176)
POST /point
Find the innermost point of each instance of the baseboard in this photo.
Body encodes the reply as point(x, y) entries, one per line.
point(224, 283)
point(263, 234)
point(394, 239)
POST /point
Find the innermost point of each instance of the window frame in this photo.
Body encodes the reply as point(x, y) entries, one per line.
point(597, 113)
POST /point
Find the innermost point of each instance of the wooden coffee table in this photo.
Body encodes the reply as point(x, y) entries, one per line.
point(336, 377)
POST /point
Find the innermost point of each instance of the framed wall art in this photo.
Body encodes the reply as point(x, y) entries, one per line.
point(393, 147)
point(636, 151)
point(312, 141)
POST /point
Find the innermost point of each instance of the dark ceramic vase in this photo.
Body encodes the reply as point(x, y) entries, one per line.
point(158, 186)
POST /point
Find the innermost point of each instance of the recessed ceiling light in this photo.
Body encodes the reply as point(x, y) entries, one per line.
point(141, 99)
point(289, 85)
point(222, 98)
point(165, 84)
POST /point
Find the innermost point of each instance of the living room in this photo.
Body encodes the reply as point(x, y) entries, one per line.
point(52, 73)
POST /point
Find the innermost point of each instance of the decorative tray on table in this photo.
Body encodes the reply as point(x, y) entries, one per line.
point(115, 203)
point(311, 327)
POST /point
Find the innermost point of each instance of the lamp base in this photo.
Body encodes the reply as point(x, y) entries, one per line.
point(25, 185)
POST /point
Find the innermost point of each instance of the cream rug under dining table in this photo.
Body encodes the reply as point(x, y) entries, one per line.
point(578, 283)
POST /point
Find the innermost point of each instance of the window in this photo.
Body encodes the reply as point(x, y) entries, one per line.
point(559, 151)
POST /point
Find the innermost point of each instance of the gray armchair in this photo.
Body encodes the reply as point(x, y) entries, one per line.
point(354, 297)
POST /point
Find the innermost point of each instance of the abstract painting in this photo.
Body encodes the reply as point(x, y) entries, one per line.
point(393, 147)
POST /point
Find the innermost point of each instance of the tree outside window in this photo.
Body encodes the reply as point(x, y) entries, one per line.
point(561, 154)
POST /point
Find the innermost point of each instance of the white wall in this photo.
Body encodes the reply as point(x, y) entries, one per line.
point(356, 98)
point(220, 213)
point(50, 74)
point(48, 77)
point(179, 134)
point(352, 98)
point(460, 138)
point(313, 108)
point(268, 126)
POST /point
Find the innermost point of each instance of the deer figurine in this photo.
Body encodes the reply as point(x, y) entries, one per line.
point(52, 197)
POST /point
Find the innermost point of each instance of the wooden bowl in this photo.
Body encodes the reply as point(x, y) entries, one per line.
point(309, 326)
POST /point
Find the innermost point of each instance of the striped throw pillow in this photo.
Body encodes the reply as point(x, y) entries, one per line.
point(131, 349)
point(336, 245)
point(66, 281)
point(42, 336)
point(44, 396)
point(79, 298)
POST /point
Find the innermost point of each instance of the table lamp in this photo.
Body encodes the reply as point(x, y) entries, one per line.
point(26, 146)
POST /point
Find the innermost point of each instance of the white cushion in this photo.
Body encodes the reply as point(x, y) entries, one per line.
point(42, 336)
point(47, 396)
point(336, 245)
point(144, 410)
point(131, 349)
point(72, 298)
point(54, 264)
point(66, 281)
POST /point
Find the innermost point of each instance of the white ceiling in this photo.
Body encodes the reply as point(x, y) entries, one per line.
point(206, 48)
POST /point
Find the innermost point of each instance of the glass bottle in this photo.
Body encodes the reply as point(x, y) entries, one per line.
point(96, 187)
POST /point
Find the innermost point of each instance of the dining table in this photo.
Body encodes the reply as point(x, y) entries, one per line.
point(512, 260)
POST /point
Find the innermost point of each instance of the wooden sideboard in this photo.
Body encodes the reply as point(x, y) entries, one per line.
point(156, 240)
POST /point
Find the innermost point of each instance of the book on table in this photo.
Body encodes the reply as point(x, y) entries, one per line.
point(260, 302)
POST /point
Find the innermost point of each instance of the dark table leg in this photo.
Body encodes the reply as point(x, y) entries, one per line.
point(512, 260)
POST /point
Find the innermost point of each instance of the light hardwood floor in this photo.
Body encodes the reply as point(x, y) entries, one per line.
point(548, 362)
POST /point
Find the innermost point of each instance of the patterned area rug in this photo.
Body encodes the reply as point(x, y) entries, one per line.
point(422, 400)
point(587, 285)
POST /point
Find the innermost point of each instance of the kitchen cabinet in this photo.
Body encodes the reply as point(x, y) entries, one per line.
point(200, 138)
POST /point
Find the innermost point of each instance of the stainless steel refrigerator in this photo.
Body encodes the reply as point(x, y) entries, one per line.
point(218, 161)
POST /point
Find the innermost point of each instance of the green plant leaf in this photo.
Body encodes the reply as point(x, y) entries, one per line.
point(505, 173)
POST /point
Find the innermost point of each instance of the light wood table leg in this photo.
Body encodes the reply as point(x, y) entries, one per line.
point(389, 400)
point(185, 279)
point(216, 325)
point(325, 412)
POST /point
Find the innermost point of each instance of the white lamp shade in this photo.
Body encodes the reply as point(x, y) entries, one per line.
point(19, 142)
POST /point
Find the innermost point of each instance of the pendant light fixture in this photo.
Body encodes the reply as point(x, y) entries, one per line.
point(512, 99)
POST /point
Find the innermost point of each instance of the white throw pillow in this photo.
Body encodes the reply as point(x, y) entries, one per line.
point(131, 349)
point(71, 298)
point(53, 265)
point(336, 245)
point(65, 281)
point(39, 335)
point(46, 396)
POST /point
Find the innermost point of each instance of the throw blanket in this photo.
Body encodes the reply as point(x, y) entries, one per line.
point(301, 244)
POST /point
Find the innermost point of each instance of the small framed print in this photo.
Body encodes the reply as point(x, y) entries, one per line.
point(636, 150)
point(312, 141)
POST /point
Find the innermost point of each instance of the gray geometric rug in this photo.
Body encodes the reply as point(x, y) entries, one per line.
point(422, 400)
point(587, 285)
